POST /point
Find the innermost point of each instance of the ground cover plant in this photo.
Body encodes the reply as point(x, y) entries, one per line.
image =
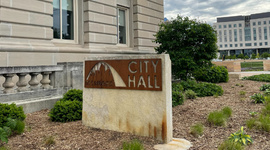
point(252, 64)
point(258, 98)
point(132, 145)
point(261, 77)
point(264, 87)
point(190, 94)
point(197, 129)
point(230, 145)
point(241, 137)
point(219, 118)
point(215, 74)
point(177, 94)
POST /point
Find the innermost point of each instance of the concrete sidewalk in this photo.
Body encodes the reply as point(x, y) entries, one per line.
point(239, 75)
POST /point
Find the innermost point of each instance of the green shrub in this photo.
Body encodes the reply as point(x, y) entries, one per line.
point(233, 57)
point(202, 89)
point(65, 111)
point(258, 98)
point(230, 145)
point(72, 95)
point(133, 145)
point(190, 94)
point(3, 135)
point(261, 123)
point(19, 127)
point(215, 74)
point(241, 56)
point(253, 113)
point(227, 57)
point(241, 137)
point(266, 92)
point(242, 93)
point(261, 78)
point(237, 84)
point(227, 111)
point(10, 111)
point(216, 95)
point(264, 87)
point(246, 57)
point(177, 98)
point(177, 87)
point(48, 141)
point(264, 55)
point(4, 148)
point(253, 56)
point(197, 129)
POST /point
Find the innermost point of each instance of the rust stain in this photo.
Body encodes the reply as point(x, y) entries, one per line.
point(142, 130)
point(149, 130)
point(119, 124)
point(155, 132)
point(128, 126)
point(164, 127)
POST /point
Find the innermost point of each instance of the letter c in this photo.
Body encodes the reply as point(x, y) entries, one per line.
point(132, 62)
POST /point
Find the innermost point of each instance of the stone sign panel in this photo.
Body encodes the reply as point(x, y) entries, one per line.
point(139, 74)
point(129, 94)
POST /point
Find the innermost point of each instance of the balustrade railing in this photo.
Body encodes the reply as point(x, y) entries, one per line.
point(22, 85)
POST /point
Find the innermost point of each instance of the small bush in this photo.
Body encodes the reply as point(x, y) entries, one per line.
point(237, 84)
point(133, 145)
point(229, 145)
point(215, 74)
point(242, 93)
point(3, 135)
point(19, 127)
point(253, 113)
point(242, 99)
point(65, 111)
point(72, 95)
point(202, 89)
point(177, 87)
point(197, 129)
point(177, 98)
point(227, 111)
point(266, 110)
point(48, 141)
point(261, 78)
point(266, 92)
point(218, 118)
point(190, 94)
point(264, 87)
point(216, 95)
point(232, 87)
point(10, 111)
point(261, 123)
point(258, 98)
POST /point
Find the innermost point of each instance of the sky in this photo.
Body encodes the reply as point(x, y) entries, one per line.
point(209, 10)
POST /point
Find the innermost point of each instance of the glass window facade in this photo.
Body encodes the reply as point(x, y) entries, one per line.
point(241, 45)
point(240, 35)
point(235, 35)
point(230, 35)
point(254, 34)
point(226, 45)
point(122, 26)
point(260, 33)
point(225, 35)
point(260, 43)
point(259, 23)
point(263, 50)
point(266, 43)
point(247, 44)
point(235, 45)
point(220, 36)
point(220, 46)
point(247, 34)
point(230, 45)
point(265, 33)
point(223, 53)
point(230, 25)
point(249, 52)
point(264, 22)
point(219, 26)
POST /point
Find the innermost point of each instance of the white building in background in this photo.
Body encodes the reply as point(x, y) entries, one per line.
point(243, 34)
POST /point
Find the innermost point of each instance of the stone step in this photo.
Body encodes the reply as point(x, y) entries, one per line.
point(37, 104)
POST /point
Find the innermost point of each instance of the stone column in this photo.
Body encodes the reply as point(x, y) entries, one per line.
point(45, 80)
point(34, 82)
point(229, 53)
point(8, 84)
point(22, 83)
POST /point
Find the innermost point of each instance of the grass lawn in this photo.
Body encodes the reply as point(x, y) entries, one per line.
point(252, 64)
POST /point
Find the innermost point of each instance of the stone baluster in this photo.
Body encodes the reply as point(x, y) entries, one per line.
point(8, 84)
point(34, 81)
point(22, 83)
point(46, 80)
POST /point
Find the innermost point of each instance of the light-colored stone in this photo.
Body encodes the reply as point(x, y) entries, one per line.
point(176, 144)
point(146, 113)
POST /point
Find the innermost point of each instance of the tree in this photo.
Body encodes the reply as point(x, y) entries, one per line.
point(258, 55)
point(233, 57)
point(246, 57)
point(191, 45)
point(265, 55)
point(241, 56)
point(253, 56)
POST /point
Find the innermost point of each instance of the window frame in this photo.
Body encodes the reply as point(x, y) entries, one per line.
point(75, 27)
point(127, 23)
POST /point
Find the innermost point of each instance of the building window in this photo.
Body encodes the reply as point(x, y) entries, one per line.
point(220, 46)
point(122, 26)
point(260, 33)
point(240, 35)
point(220, 36)
point(235, 35)
point(259, 23)
point(235, 45)
point(240, 25)
point(247, 44)
point(265, 33)
point(241, 45)
point(225, 35)
point(230, 45)
point(254, 34)
point(230, 25)
point(63, 19)
point(230, 35)
point(219, 26)
point(224, 26)
point(260, 43)
point(234, 25)
point(264, 22)
point(254, 23)
point(266, 43)
point(255, 44)
point(247, 34)
point(226, 45)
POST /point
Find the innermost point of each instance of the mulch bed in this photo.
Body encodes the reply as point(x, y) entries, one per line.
point(74, 135)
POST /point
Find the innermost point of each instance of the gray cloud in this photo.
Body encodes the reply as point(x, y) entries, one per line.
point(209, 10)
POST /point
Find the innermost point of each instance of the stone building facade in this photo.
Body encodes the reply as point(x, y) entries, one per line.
point(30, 29)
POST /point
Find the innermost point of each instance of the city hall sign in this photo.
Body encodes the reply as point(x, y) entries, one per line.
point(133, 74)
